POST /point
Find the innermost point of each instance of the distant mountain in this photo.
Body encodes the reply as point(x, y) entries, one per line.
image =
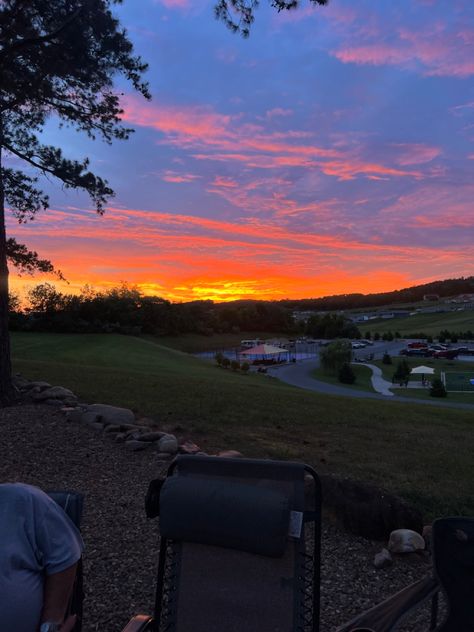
point(448, 287)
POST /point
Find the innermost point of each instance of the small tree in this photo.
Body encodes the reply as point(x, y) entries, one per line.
point(225, 362)
point(335, 355)
point(401, 372)
point(368, 335)
point(244, 367)
point(429, 339)
point(219, 358)
point(376, 336)
point(437, 388)
point(346, 375)
point(386, 359)
point(234, 365)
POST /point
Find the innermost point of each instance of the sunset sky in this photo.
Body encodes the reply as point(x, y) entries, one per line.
point(331, 152)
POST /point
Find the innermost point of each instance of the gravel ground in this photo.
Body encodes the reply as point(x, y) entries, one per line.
point(39, 447)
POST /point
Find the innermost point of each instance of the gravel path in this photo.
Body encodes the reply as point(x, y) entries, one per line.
point(39, 447)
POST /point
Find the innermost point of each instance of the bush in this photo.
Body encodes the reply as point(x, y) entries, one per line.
point(437, 388)
point(245, 366)
point(225, 362)
point(346, 374)
point(234, 365)
point(368, 335)
point(401, 372)
point(386, 358)
point(377, 336)
point(219, 358)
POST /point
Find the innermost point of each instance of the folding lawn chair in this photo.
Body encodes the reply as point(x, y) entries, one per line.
point(453, 562)
point(240, 546)
point(72, 503)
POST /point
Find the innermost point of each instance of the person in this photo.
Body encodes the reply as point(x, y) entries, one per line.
point(39, 551)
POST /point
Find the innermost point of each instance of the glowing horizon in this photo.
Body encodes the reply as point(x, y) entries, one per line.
point(332, 152)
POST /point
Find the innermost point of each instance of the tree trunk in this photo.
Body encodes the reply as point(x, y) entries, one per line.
point(7, 395)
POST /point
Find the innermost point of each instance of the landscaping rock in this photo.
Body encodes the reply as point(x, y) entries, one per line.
point(152, 436)
point(54, 392)
point(75, 415)
point(136, 446)
point(41, 386)
point(112, 415)
point(53, 402)
point(111, 429)
point(230, 454)
point(164, 456)
point(188, 447)
point(168, 444)
point(405, 541)
point(89, 418)
point(383, 559)
point(98, 427)
point(120, 437)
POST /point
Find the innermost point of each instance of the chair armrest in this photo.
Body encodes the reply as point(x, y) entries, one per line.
point(386, 615)
point(139, 623)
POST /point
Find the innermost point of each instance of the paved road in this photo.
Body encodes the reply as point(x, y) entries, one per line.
point(299, 374)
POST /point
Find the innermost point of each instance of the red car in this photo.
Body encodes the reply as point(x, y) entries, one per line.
point(450, 354)
point(417, 345)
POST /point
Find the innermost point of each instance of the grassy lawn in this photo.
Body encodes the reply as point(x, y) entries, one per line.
point(194, 343)
point(362, 373)
point(430, 324)
point(421, 452)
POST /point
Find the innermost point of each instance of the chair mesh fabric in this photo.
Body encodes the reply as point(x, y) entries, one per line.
point(212, 589)
point(453, 551)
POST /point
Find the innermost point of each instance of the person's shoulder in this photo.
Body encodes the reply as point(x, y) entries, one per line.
point(23, 492)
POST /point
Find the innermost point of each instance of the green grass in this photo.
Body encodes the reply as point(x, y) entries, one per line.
point(430, 324)
point(422, 452)
point(362, 373)
point(195, 343)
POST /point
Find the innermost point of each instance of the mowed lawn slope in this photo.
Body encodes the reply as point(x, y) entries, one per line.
point(421, 452)
point(429, 324)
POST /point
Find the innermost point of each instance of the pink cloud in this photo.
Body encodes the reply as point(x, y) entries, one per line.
point(172, 176)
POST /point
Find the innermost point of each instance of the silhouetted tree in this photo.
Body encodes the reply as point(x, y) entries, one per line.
point(57, 57)
point(239, 15)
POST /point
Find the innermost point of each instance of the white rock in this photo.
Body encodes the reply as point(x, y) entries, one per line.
point(383, 559)
point(112, 414)
point(168, 444)
point(405, 541)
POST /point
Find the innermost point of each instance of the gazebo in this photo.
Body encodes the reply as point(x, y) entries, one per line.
point(266, 352)
point(423, 370)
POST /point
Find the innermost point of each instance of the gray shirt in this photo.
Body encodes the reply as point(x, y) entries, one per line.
point(37, 538)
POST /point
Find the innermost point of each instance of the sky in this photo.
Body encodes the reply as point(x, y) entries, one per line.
point(330, 152)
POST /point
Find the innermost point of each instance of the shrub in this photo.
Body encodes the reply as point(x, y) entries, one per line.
point(377, 336)
point(219, 358)
point(368, 335)
point(346, 375)
point(225, 362)
point(245, 366)
point(401, 372)
point(234, 365)
point(437, 388)
point(386, 358)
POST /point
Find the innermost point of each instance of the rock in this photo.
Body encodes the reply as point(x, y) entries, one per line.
point(383, 559)
point(112, 414)
point(53, 402)
point(405, 541)
point(188, 447)
point(98, 427)
point(111, 429)
point(230, 454)
point(55, 392)
point(90, 418)
point(168, 444)
point(163, 456)
point(136, 446)
point(151, 436)
point(120, 437)
point(41, 386)
point(75, 415)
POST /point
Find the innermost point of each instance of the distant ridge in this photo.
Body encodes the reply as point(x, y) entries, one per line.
point(448, 287)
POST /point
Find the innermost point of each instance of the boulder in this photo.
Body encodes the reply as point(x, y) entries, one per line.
point(405, 541)
point(383, 559)
point(119, 437)
point(112, 414)
point(53, 402)
point(188, 447)
point(54, 392)
point(136, 446)
point(41, 386)
point(168, 443)
point(151, 436)
point(90, 418)
point(75, 414)
point(230, 454)
point(111, 429)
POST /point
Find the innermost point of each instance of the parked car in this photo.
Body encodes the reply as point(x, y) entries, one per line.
point(447, 353)
point(423, 353)
point(465, 351)
point(417, 345)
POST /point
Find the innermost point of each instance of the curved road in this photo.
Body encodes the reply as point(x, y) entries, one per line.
point(299, 374)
